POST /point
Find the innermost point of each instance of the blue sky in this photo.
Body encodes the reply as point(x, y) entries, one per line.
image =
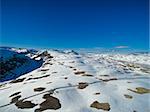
point(75, 23)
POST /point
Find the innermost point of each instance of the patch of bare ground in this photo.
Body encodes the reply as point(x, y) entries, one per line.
point(105, 75)
point(38, 77)
point(128, 96)
point(70, 67)
point(82, 73)
point(48, 63)
point(49, 103)
point(88, 75)
point(17, 80)
point(39, 89)
point(15, 99)
point(25, 104)
point(140, 90)
point(98, 93)
point(79, 72)
point(103, 106)
point(106, 80)
point(66, 78)
point(74, 69)
point(44, 69)
point(14, 94)
point(82, 85)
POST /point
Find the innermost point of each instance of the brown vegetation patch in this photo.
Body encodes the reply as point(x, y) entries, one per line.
point(103, 106)
point(82, 85)
point(39, 89)
point(128, 96)
point(49, 103)
point(14, 94)
point(17, 80)
point(25, 104)
point(140, 90)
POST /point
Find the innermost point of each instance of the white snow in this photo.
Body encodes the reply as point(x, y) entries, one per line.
point(59, 71)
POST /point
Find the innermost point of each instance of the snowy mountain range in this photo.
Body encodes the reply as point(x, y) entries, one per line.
point(73, 81)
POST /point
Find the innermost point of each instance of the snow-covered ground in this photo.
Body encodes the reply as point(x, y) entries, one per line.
point(69, 81)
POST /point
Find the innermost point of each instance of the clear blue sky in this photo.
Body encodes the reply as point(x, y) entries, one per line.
point(75, 23)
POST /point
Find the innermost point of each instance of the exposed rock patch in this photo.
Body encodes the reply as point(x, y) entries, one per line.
point(111, 79)
point(39, 89)
point(88, 75)
point(128, 96)
point(44, 69)
point(49, 103)
point(70, 67)
point(82, 85)
point(79, 72)
point(38, 77)
point(15, 99)
point(103, 106)
point(66, 78)
point(17, 80)
point(140, 90)
point(15, 94)
point(25, 104)
point(105, 75)
point(74, 69)
point(97, 93)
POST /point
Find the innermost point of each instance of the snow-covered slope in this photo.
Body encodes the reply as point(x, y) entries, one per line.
point(16, 62)
point(69, 81)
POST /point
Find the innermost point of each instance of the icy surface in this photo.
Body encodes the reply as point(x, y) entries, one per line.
point(79, 79)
